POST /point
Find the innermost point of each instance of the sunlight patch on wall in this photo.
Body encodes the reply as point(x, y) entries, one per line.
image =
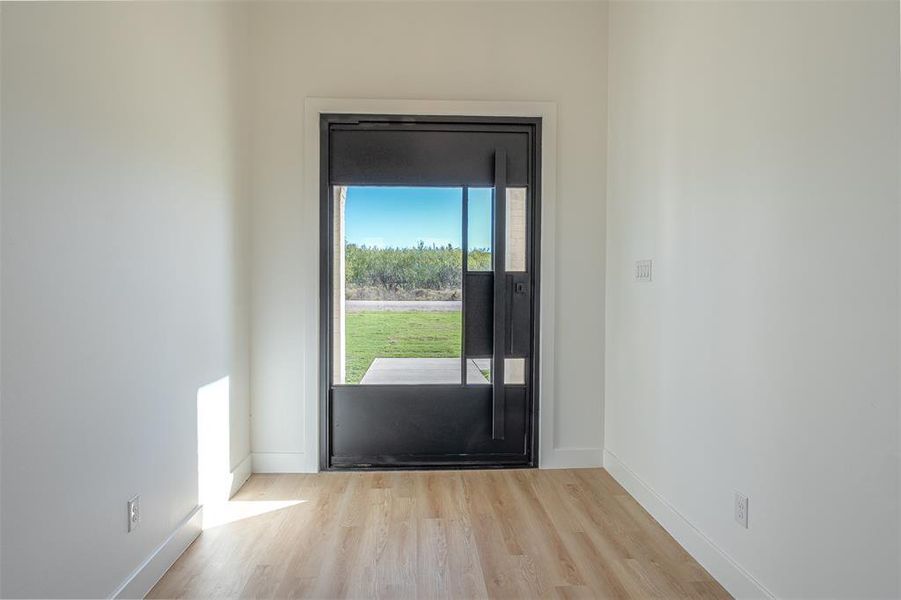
point(213, 431)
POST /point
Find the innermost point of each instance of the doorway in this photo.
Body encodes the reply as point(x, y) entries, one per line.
point(425, 223)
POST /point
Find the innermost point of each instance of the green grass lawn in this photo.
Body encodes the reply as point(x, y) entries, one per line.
point(372, 335)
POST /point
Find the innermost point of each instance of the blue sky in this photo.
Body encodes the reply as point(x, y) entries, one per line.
point(401, 217)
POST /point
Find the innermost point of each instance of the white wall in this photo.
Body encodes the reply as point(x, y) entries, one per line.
point(753, 155)
point(432, 51)
point(1, 309)
point(121, 278)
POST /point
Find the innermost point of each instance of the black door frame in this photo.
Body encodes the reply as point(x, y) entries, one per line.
point(326, 261)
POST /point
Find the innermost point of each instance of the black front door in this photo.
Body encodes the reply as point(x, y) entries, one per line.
point(429, 291)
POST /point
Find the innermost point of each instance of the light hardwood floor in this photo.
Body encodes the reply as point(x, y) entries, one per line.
point(440, 534)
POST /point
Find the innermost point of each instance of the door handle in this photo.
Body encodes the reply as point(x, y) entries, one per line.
point(499, 251)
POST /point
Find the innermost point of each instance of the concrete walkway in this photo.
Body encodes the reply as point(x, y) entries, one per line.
point(403, 305)
point(414, 371)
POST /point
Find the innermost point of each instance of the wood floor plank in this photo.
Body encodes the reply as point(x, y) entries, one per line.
point(466, 578)
point(437, 535)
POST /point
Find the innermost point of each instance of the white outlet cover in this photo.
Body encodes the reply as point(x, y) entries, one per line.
point(134, 513)
point(741, 509)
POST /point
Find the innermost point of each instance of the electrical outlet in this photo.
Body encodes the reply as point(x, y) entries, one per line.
point(741, 510)
point(134, 513)
point(643, 270)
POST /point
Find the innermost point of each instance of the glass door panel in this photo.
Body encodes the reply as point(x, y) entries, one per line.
point(517, 229)
point(479, 227)
point(478, 274)
point(397, 291)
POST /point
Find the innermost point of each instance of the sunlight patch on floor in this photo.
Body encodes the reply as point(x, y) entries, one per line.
point(224, 513)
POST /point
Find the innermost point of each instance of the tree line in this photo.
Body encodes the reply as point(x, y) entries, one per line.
point(421, 267)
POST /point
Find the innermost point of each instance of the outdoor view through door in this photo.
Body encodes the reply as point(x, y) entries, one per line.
point(425, 222)
point(398, 290)
point(402, 262)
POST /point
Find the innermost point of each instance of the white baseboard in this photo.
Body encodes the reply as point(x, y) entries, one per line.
point(149, 572)
point(720, 565)
point(571, 458)
point(241, 474)
point(282, 462)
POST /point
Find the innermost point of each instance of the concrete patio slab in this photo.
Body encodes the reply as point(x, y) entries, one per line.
point(417, 371)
